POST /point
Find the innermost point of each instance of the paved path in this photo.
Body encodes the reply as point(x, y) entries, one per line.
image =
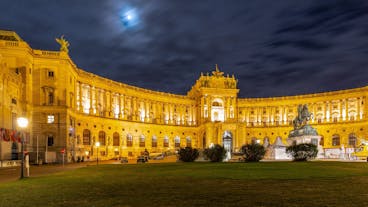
point(9, 174)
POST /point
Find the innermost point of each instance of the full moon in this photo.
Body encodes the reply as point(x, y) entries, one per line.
point(129, 18)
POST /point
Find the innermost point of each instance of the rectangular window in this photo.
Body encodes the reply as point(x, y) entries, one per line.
point(50, 140)
point(51, 74)
point(51, 98)
point(352, 141)
point(335, 141)
point(50, 119)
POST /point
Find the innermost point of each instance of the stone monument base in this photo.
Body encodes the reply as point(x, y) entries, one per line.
point(277, 151)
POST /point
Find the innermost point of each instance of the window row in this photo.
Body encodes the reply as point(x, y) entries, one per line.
point(129, 140)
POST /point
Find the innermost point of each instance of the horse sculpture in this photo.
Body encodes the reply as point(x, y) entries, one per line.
point(303, 116)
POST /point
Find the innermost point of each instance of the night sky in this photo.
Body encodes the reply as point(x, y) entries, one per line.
point(274, 48)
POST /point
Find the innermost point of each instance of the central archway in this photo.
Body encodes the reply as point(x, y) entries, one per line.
point(227, 140)
point(217, 110)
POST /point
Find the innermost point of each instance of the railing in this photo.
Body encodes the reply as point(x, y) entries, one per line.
point(11, 44)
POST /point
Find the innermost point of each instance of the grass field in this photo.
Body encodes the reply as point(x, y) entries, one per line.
point(196, 184)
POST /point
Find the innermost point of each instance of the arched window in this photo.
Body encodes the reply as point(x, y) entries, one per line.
point(86, 137)
point(189, 142)
point(166, 141)
point(129, 140)
point(177, 141)
point(217, 110)
point(142, 141)
point(352, 140)
point(216, 103)
point(335, 140)
point(115, 139)
point(154, 141)
point(102, 138)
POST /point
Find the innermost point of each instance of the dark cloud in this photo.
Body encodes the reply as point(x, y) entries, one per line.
point(274, 48)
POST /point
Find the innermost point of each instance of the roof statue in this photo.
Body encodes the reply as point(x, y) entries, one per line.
point(301, 126)
point(217, 72)
point(64, 44)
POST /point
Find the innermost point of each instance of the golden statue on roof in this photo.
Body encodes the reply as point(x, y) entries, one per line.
point(217, 72)
point(64, 44)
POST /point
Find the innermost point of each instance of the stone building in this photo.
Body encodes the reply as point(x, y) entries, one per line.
point(72, 109)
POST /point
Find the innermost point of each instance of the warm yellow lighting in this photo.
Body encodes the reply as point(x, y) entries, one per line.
point(97, 144)
point(22, 122)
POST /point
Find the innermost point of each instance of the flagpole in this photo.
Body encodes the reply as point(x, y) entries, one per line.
point(46, 152)
point(37, 150)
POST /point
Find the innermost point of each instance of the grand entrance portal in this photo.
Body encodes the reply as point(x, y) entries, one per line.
point(227, 140)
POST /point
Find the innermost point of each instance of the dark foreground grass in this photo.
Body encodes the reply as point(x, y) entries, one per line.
point(196, 184)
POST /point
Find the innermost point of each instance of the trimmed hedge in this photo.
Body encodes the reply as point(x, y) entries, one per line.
point(188, 154)
point(302, 152)
point(216, 153)
point(253, 152)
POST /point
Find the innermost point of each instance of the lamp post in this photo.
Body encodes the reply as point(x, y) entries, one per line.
point(97, 146)
point(22, 123)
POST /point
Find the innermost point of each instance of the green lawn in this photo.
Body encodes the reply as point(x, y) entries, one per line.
point(196, 184)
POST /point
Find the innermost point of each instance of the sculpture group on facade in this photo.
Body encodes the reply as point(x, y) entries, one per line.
point(64, 44)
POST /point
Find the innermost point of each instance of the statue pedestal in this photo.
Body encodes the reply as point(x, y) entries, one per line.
point(314, 139)
point(278, 150)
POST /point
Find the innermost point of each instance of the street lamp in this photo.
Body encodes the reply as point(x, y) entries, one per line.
point(22, 123)
point(97, 146)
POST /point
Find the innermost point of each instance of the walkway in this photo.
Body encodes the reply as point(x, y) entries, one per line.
point(13, 173)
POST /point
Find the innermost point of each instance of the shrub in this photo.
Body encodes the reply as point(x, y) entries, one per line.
point(302, 152)
point(253, 152)
point(216, 153)
point(188, 154)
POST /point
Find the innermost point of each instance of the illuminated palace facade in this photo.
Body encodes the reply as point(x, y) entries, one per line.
point(69, 108)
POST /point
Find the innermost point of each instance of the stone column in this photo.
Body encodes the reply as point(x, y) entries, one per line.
point(325, 111)
point(121, 106)
point(90, 100)
point(134, 113)
point(358, 108)
point(340, 110)
point(80, 97)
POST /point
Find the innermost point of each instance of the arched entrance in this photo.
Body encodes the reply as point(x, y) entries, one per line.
point(227, 140)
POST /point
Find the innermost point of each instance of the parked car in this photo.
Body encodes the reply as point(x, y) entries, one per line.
point(124, 160)
point(159, 157)
point(141, 159)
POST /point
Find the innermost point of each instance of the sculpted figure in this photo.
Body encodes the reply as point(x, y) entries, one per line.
point(64, 44)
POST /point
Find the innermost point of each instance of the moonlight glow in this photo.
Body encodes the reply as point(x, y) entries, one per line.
point(129, 18)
